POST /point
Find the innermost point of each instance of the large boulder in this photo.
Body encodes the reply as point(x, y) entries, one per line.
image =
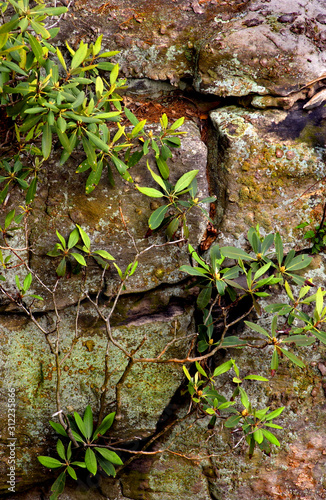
point(269, 171)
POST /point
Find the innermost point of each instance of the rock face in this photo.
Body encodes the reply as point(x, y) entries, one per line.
point(273, 177)
point(264, 160)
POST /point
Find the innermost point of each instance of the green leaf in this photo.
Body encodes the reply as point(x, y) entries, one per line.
point(58, 486)
point(157, 217)
point(8, 27)
point(80, 259)
point(235, 253)
point(30, 195)
point(84, 236)
point(69, 451)
point(109, 455)
point(297, 361)
point(58, 428)
point(73, 238)
point(274, 426)
point(71, 472)
point(9, 218)
point(186, 372)
point(106, 466)
point(319, 302)
point(163, 167)
point(103, 253)
point(257, 328)
point(79, 56)
point(172, 228)
point(90, 461)
point(51, 463)
point(37, 49)
point(185, 180)
point(131, 117)
point(40, 30)
point(61, 450)
point(79, 464)
point(154, 193)
point(204, 297)
point(299, 340)
point(27, 282)
point(105, 425)
point(232, 421)
point(320, 335)
point(61, 238)
point(114, 74)
point(279, 248)
point(138, 127)
point(194, 271)
point(244, 398)
point(14, 67)
point(78, 438)
point(61, 59)
point(274, 414)
point(200, 369)
point(178, 123)
point(274, 362)
point(119, 165)
point(256, 377)
point(299, 262)
point(258, 436)
point(157, 178)
point(262, 271)
point(94, 178)
point(46, 140)
point(172, 142)
point(88, 421)
point(232, 341)
point(270, 437)
point(80, 424)
point(224, 367)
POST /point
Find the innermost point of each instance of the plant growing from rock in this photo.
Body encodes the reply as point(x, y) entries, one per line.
point(94, 455)
point(56, 98)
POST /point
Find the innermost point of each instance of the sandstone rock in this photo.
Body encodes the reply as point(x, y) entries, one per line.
point(29, 368)
point(270, 171)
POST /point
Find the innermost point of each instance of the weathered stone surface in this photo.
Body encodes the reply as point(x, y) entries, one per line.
point(270, 171)
point(296, 470)
point(28, 366)
point(61, 203)
point(278, 54)
point(157, 40)
point(229, 48)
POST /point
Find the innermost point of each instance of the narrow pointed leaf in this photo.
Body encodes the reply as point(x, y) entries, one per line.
point(90, 461)
point(109, 455)
point(105, 425)
point(224, 367)
point(185, 180)
point(88, 421)
point(257, 328)
point(157, 217)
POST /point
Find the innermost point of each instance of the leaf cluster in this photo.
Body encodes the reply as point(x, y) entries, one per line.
point(173, 214)
point(94, 456)
point(251, 421)
point(62, 98)
point(78, 239)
